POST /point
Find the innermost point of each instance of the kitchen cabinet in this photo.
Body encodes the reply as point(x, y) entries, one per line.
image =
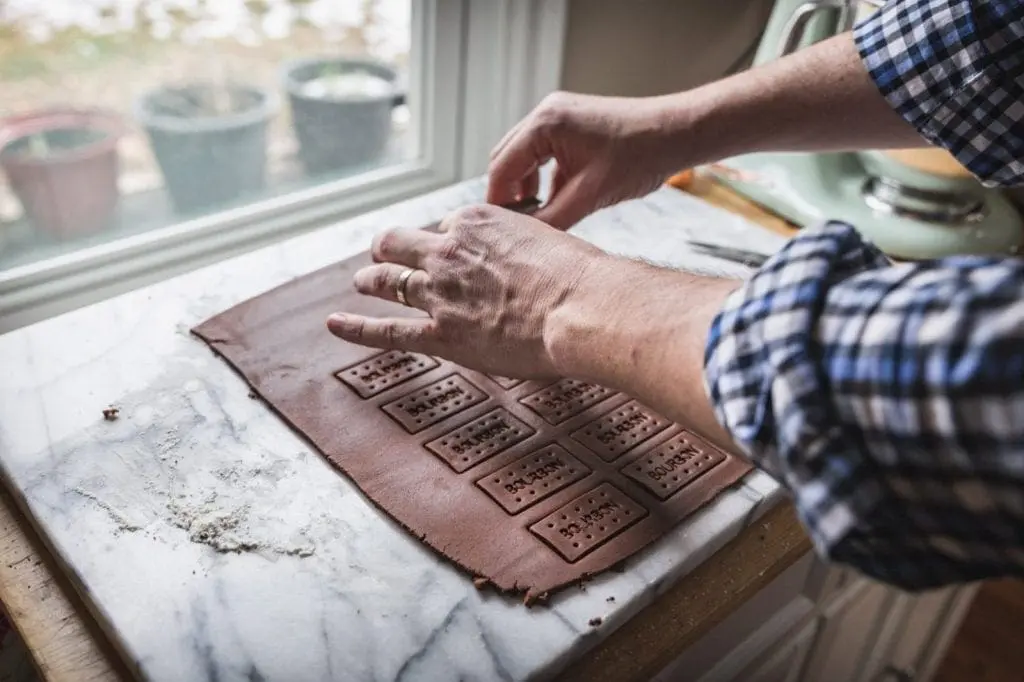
point(819, 622)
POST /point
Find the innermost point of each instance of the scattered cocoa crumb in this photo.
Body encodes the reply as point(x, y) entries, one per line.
point(594, 622)
point(610, 599)
point(481, 583)
point(111, 413)
point(252, 394)
point(530, 599)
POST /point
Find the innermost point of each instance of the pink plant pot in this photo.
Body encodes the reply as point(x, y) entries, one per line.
point(69, 188)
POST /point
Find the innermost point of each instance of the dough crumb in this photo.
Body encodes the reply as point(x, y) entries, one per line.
point(594, 622)
point(111, 413)
point(481, 583)
point(532, 598)
point(252, 395)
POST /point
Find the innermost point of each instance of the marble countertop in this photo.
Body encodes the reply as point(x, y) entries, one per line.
point(212, 543)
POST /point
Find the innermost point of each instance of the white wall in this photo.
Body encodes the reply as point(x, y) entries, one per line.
point(647, 47)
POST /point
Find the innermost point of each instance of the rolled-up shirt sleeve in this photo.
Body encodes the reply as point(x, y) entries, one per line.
point(888, 399)
point(954, 69)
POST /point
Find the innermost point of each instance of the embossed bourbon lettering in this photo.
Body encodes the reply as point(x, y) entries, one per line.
point(434, 403)
point(629, 424)
point(671, 466)
point(621, 430)
point(430, 403)
point(565, 399)
point(589, 521)
point(480, 439)
point(381, 372)
point(375, 373)
point(533, 478)
point(499, 427)
point(541, 472)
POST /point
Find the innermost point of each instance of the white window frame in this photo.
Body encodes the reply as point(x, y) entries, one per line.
point(476, 67)
point(514, 57)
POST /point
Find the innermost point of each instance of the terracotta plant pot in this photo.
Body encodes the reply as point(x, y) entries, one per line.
point(210, 141)
point(63, 167)
point(341, 109)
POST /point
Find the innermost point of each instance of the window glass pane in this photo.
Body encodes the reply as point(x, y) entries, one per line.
point(122, 116)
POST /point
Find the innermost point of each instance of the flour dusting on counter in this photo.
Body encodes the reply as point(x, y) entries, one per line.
point(180, 463)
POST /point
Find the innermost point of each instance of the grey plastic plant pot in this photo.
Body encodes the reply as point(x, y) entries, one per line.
point(208, 160)
point(337, 133)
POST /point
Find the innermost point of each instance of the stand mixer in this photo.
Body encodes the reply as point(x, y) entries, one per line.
point(913, 204)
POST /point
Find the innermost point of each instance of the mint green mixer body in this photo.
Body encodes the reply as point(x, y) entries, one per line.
point(935, 215)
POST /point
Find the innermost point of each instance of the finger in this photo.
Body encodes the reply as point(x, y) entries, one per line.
point(523, 156)
point(571, 204)
point(506, 194)
point(531, 186)
point(405, 247)
point(399, 333)
point(558, 180)
point(382, 281)
point(506, 138)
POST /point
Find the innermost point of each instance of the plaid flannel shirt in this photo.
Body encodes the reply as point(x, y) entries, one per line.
point(889, 399)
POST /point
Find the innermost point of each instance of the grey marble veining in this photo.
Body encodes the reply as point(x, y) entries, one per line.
point(215, 544)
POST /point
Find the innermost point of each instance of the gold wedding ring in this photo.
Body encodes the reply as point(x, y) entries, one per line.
point(403, 281)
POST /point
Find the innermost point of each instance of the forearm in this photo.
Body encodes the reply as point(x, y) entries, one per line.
point(887, 399)
point(643, 330)
point(817, 99)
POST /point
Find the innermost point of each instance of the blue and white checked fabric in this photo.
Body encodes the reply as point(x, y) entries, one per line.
point(889, 399)
point(955, 70)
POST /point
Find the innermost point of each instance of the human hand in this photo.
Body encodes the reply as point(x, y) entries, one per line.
point(607, 150)
point(489, 280)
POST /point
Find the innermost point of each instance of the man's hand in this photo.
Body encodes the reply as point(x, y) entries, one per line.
point(509, 296)
point(610, 149)
point(607, 150)
point(489, 280)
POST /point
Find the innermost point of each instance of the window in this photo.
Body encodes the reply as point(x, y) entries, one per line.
point(144, 138)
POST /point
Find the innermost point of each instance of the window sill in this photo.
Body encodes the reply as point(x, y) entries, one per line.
point(42, 289)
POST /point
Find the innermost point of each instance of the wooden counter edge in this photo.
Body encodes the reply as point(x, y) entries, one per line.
point(67, 645)
point(65, 642)
point(702, 599)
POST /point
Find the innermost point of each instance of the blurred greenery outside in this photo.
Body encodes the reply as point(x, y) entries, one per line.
point(71, 65)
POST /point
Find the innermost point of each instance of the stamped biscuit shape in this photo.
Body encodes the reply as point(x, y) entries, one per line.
point(673, 465)
point(480, 439)
point(621, 430)
point(589, 521)
point(533, 478)
point(565, 399)
point(381, 372)
point(434, 403)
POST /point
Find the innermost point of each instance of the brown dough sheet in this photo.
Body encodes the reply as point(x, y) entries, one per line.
point(531, 485)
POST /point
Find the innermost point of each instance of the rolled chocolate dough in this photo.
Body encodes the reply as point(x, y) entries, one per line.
point(529, 486)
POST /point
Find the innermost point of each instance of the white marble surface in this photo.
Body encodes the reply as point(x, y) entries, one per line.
point(144, 511)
